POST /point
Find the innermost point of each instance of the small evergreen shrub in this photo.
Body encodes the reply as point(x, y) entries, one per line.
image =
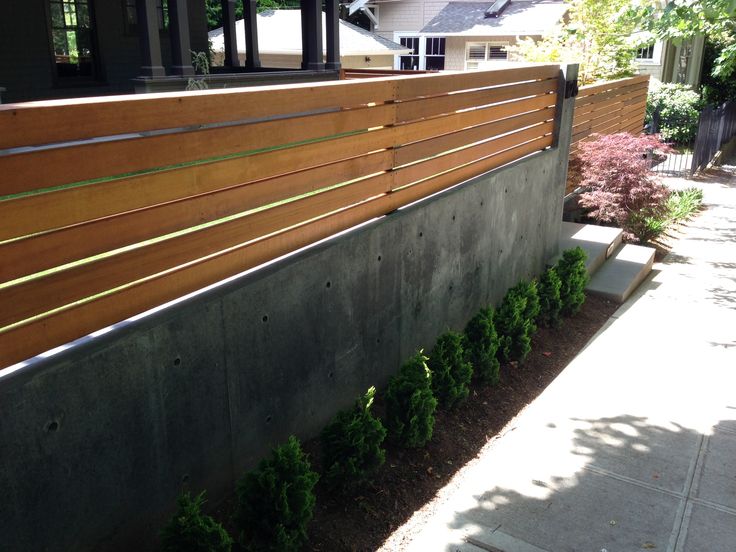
point(550, 302)
point(481, 346)
point(573, 276)
point(191, 531)
point(451, 372)
point(678, 107)
point(410, 403)
point(514, 324)
point(351, 445)
point(276, 501)
point(530, 292)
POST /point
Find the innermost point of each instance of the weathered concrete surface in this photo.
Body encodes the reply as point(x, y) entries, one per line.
point(622, 273)
point(98, 440)
point(633, 446)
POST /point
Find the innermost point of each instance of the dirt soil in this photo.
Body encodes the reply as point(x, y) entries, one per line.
point(411, 478)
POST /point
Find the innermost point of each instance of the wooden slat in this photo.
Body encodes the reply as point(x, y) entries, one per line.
point(427, 107)
point(431, 85)
point(606, 115)
point(605, 123)
point(34, 170)
point(436, 165)
point(43, 212)
point(426, 148)
point(36, 336)
point(40, 295)
point(608, 85)
point(591, 111)
point(33, 123)
point(48, 250)
point(586, 100)
point(18, 217)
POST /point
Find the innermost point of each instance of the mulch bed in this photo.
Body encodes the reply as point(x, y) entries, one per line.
point(411, 478)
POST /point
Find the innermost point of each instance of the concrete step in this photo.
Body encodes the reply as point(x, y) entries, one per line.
point(599, 242)
point(622, 273)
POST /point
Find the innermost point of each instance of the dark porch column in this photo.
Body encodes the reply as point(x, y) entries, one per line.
point(151, 65)
point(332, 16)
point(180, 45)
point(228, 27)
point(252, 56)
point(312, 34)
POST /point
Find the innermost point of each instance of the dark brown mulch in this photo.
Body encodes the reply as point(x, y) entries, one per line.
point(410, 478)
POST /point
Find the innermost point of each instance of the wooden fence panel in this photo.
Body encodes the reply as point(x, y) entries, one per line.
point(260, 178)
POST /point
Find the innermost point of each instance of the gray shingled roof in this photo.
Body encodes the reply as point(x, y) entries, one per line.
point(521, 17)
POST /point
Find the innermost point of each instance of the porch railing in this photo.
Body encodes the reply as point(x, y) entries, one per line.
point(111, 206)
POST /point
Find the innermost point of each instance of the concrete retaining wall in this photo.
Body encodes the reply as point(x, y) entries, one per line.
point(98, 440)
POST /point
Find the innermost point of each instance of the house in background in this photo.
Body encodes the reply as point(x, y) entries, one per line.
point(460, 35)
point(280, 46)
point(668, 62)
point(71, 48)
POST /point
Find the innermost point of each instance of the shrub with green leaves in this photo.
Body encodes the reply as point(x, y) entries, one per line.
point(410, 403)
point(189, 530)
point(550, 303)
point(351, 445)
point(451, 372)
point(514, 320)
point(481, 346)
point(276, 501)
point(574, 277)
point(678, 107)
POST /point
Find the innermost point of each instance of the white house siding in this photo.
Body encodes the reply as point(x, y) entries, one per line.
point(294, 61)
point(455, 49)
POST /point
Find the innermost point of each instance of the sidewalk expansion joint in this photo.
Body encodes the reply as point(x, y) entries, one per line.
point(679, 532)
point(632, 481)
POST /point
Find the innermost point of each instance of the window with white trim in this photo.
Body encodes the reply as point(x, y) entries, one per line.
point(646, 52)
point(411, 61)
point(434, 51)
point(478, 52)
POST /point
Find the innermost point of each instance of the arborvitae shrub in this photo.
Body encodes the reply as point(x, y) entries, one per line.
point(276, 501)
point(189, 530)
point(530, 292)
point(351, 445)
point(410, 404)
point(573, 277)
point(451, 372)
point(550, 303)
point(513, 327)
point(481, 346)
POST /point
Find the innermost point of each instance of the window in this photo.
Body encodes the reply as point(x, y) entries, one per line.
point(477, 53)
point(131, 15)
point(71, 38)
point(646, 52)
point(434, 49)
point(410, 62)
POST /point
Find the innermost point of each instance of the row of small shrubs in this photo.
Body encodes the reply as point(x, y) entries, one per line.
point(275, 502)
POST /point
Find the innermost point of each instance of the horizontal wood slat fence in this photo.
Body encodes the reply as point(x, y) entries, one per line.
point(112, 206)
point(607, 108)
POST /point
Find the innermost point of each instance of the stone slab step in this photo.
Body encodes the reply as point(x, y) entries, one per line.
point(622, 273)
point(599, 242)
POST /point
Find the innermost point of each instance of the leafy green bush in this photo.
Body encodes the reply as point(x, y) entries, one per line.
point(481, 346)
point(550, 303)
point(682, 204)
point(679, 108)
point(574, 277)
point(514, 321)
point(276, 501)
point(451, 372)
point(410, 403)
point(191, 531)
point(351, 445)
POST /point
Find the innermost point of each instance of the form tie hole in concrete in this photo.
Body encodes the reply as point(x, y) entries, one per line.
point(52, 426)
point(481, 204)
point(328, 284)
point(453, 217)
point(177, 361)
point(265, 318)
point(450, 286)
point(421, 234)
point(379, 258)
point(331, 375)
point(378, 340)
point(506, 191)
point(268, 419)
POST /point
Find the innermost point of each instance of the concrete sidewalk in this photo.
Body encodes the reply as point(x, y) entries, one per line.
point(633, 447)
